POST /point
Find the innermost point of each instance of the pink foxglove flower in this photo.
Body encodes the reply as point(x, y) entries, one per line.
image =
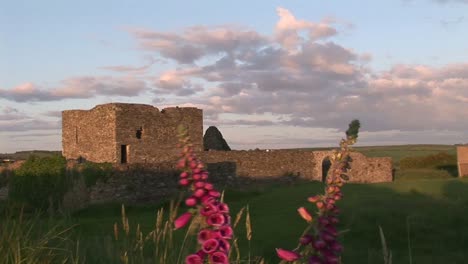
point(219, 258)
point(210, 245)
point(216, 219)
point(287, 254)
point(204, 235)
point(225, 232)
point(213, 238)
point(193, 259)
point(182, 220)
point(305, 214)
point(191, 201)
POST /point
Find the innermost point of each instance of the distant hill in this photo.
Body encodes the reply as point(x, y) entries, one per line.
point(23, 155)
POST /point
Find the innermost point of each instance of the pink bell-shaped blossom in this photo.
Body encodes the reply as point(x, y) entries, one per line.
point(210, 245)
point(223, 208)
point(193, 259)
point(216, 219)
point(305, 214)
point(199, 193)
point(191, 201)
point(225, 231)
point(207, 200)
point(182, 220)
point(219, 258)
point(224, 245)
point(204, 235)
point(184, 182)
point(287, 254)
point(209, 209)
point(209, 186)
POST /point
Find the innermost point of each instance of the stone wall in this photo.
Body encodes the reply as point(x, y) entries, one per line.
point(304, 164)
point(370, 170)
point(363, 169)
point(262, 163)
point(158, 131)
point(134, 184)
point(137, 183)
point(89, 134)
point(152, 182)
point(462, 160)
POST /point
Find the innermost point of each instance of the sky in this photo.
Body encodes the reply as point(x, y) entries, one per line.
point(268, 74)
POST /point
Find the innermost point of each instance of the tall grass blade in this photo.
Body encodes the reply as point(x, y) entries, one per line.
point(387, 254)
point(409, 241)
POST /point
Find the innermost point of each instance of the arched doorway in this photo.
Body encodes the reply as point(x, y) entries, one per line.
point(326, 164)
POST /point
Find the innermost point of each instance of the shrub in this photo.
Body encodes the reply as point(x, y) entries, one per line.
point(40, 182)
point(92, 172)
point(3, 178)
point(430, 161)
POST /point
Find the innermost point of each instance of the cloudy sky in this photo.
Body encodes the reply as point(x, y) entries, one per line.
point(269, 74)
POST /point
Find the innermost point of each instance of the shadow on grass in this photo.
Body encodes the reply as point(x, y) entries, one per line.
point(435, 222)
point(429, 227)
point(451, 169)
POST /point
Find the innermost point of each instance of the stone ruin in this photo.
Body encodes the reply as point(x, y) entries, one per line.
point(128, 133)
point(141, 141)
point(136, 133)
point(462, 160)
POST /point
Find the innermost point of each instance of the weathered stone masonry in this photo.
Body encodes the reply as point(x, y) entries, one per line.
point(303, 164)
point(462, 160)
point(128, 133)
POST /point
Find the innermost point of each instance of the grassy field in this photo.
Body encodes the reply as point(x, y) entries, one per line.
point(424, 220)
point(423, 215)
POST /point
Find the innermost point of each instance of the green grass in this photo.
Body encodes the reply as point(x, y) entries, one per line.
point(431, 212)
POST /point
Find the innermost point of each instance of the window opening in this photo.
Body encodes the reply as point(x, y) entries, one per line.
point(139, 132)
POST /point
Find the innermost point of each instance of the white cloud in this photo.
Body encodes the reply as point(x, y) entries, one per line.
point(316, 81)
point(77, 87)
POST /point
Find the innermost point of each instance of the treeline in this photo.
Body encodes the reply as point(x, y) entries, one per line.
point(41, 182)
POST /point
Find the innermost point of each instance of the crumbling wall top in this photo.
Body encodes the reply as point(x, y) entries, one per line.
point(128, 106)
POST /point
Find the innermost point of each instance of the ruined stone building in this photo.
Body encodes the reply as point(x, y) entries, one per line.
point(137, 133)
point(462, 160)
point(128, 133)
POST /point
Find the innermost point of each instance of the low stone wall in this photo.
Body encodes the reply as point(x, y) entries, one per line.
point(153, 182)
point(363, 169)
point(262, 164)
point(133, 184)
point(371, 170)
point(137, 183)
